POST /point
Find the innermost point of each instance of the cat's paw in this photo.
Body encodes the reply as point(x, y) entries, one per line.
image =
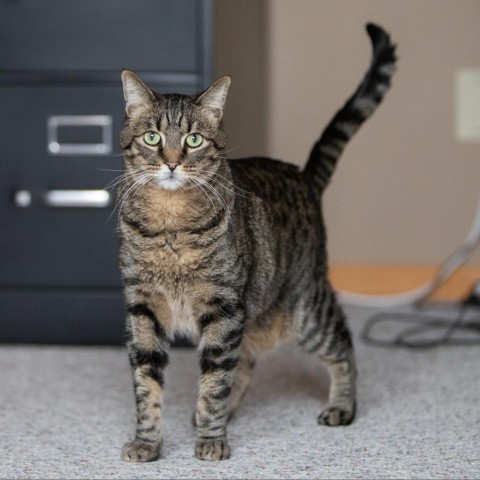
point(212, 449)
point(137, 451)
point(336, 416)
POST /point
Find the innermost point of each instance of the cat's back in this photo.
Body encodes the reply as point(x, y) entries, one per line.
point(276, 194)
point(265, 176)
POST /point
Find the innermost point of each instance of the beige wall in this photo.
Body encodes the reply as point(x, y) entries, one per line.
point(241, 51)
point(405, 190)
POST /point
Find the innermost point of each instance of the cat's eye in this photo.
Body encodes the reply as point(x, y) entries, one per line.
point(194, 140)
point(152, 138)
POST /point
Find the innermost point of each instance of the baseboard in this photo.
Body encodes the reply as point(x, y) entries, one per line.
point(384, 279)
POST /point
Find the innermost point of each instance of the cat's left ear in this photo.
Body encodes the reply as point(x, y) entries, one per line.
point(213, 99)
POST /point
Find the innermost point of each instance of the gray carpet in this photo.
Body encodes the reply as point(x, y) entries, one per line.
point(65, 413)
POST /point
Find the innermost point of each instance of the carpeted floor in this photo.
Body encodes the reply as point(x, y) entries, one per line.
point(65, 413)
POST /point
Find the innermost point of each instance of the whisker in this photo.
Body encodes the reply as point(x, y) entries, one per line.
point(228, 151)
point(227, 188)
point(113, 183)
point(130, 189)
point(235, 187)
point(116, 181)
point(109, 170)
point(197, 184)
point(135, 185)
point(216, 194)
point(114, 155)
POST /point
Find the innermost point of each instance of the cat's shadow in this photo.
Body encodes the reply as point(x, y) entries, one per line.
point(287, 374)
point(283, 378)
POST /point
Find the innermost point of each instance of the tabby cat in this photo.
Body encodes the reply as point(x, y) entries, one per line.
point(229, 252)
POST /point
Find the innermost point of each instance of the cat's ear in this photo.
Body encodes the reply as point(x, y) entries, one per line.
point(138, 97)
point(213, 99)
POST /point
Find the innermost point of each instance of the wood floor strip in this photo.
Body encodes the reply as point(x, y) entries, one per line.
point(390, 279)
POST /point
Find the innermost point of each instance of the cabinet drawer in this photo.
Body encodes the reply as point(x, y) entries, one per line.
point(45, 239)
point(62, 110)
point(106, 35)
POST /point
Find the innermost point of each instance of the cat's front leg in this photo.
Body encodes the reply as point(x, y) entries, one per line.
point(219, 355)
point(148, 354)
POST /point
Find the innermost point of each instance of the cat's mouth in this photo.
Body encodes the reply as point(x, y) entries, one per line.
point(171, 179)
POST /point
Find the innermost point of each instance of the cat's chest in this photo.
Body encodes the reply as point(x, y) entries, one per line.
point(172, 256)
point(172, 243)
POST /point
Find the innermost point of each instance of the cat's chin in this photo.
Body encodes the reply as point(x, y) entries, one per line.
point(170, 182)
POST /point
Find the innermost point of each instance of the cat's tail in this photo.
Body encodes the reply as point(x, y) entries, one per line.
point(359, 107)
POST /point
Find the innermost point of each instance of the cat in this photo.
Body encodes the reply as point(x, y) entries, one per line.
point(231, 253)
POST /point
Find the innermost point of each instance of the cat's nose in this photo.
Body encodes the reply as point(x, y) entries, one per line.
point(171, 159)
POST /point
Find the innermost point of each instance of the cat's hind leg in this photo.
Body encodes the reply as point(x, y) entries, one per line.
point(341, 402)
point(324, 333)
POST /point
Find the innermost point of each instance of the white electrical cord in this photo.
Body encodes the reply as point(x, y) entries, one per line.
point(421, 293)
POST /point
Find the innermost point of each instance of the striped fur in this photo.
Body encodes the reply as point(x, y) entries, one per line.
point(352, 115)
point(231, 253)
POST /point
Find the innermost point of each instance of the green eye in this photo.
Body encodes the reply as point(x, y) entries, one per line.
point(194, 140)
point(152, 138)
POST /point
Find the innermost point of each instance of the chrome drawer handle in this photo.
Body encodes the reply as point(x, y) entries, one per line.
point(66, 198)
point(105, 122)
point(77, 198)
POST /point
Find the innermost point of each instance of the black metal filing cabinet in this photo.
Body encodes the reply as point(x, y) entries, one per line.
point(61, 112)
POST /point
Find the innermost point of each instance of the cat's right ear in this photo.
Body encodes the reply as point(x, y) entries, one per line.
point(138, 97)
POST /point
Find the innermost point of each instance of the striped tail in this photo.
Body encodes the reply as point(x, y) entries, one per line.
point(359, 107)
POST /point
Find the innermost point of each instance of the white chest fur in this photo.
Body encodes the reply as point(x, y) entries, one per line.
point(182, 319)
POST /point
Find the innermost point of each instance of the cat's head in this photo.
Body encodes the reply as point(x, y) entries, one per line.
point(172, 140)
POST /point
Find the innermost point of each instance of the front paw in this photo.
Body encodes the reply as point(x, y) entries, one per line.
point(336, 416)
point(138, 451)
point(212, 449)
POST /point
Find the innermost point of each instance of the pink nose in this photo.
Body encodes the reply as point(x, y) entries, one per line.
point(172, 165)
